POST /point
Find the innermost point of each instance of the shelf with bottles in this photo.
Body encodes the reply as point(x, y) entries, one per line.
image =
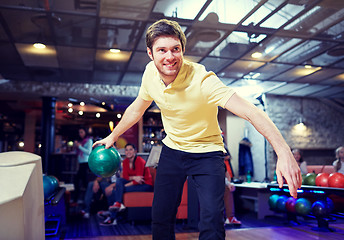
point(152, 131)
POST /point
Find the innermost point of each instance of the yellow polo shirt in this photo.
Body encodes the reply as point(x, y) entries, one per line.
point(189, 106)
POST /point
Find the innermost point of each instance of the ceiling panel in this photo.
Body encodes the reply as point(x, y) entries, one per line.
point(255, 45)
point(328, 92)
point(128, 9)
point(76, 58)
point(295, 73)
point(37, 57)
point(240, 68)
point(308, 90)
point(286, 89)
point(321, 75)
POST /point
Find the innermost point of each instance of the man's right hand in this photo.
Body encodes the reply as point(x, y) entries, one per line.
point(109, 141)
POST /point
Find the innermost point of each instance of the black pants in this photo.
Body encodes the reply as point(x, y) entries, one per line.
point(207, 170)
point(81, 180)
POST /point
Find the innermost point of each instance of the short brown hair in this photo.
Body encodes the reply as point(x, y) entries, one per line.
point(164, 27)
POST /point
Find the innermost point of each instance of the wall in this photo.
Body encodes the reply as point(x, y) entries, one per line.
point(323, 132)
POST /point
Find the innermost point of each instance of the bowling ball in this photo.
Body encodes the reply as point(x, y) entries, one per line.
point(272, 201)
point(290, 205)
point(49, 186)
point(280, 203)
point(336, 180)
point(303, 178)
point(321, 179)
point(104, 162)
point(55, 181)
point(320, 208)
point(310, 179)
point(303, 206)
point(329, 204)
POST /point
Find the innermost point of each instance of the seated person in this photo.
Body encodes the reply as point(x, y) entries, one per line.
point(302, 164)
point(339, 162)
point(228, 198)
point(135, 178)
point(96, 190)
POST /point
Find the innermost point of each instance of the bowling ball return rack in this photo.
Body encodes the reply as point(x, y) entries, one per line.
point(308, 191)
point(55, 212)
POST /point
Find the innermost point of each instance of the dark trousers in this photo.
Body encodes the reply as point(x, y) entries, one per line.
point(81, 180)
point(207, 170)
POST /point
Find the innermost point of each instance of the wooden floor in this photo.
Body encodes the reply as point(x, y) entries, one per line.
point(278, 233)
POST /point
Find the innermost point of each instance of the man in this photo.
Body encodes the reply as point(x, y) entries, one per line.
point(188, 97)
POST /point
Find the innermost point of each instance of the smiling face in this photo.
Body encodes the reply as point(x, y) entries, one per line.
point(167, 54)
point(130, 152)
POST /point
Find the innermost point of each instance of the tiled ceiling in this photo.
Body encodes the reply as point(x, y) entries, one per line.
point(224, 35)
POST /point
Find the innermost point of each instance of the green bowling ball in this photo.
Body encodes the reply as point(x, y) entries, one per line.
point(303, 206)
point(104, 162)
point(49, 186)
point(310, 179)
point(272, 201)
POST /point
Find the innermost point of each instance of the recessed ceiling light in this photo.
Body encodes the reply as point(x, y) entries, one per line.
point(256, 55)
point(39, 45)
point(115, 50)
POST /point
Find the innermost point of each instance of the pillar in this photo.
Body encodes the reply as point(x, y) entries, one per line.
point(48, 130)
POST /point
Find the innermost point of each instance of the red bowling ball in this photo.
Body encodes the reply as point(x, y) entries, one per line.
point(336, 180)
point(290, 205)
point(322, 179)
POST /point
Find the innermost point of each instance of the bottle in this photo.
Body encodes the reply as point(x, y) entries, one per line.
point(248, 177)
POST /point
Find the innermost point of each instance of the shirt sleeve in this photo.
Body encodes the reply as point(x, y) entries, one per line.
point(143, 92)
point(216, 92)
point(87, 147)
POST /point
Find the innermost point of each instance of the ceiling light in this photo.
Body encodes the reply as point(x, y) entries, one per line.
point(111, 125)
point(308, 66)
point(256, 55)
point(119, 115)
point(82, 103)
point(114, 50)
point(255, 75)
point(81, 113)
point(97, 115)
point(70, 105)
point(70, 110)
point(39, 45)
point(21, 144)
point(103, 103)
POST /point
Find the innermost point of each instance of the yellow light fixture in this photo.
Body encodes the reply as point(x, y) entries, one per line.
point(39, 45)
point(111, 125)
point(115, 50)
point(256, 55)
point(21, 144)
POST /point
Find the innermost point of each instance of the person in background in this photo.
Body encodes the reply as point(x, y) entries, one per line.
point(339, 162)
point(97, 189)
point(302, 163)
point(83, 150)
point(135, 177)
point(189, 96)
point(228, 197)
